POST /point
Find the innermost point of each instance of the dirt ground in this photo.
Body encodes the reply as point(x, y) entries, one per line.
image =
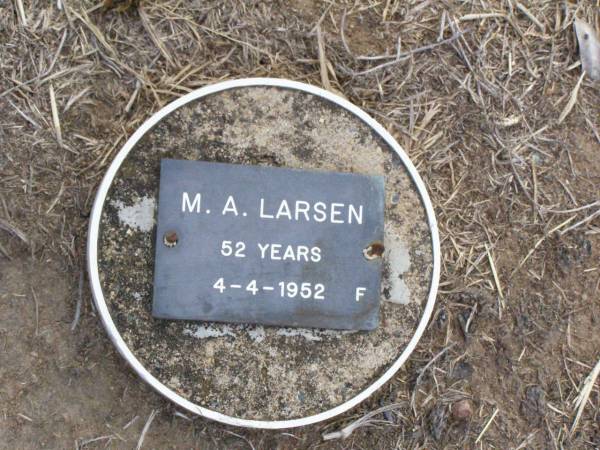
point(485, 97)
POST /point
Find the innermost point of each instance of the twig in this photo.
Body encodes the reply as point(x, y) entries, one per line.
point(584, 395)
point(55, 119)
point(570, 211)
point(56, 55)
point(55, 201)
point(539, 242)
point(536, 206)
point(572, 100)
point(348, 430)
point(531, 17)
point(487, 425)
point(23, 115)
point(153, 36)
point(4, 225)
point(131, 422)
point(44, 79)
point(237, 41)
point(79, 302)
point(183, 416)
point(136, 91)
point(21, 11)
point(86, 442)
point(74, 98)
point(522, 184)
point(4, 252)
point(343, 35)
point(146, 428)
point(23, 416)
point(481, 16)
point(241, 437)
point(423, 370)
point(95, 31)
point(581, 222)
point(37, 311)
point(320, 21)
point(400, 57)
point(323, 60)
point(494, 272)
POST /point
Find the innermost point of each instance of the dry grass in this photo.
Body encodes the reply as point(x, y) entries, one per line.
point(486, 97)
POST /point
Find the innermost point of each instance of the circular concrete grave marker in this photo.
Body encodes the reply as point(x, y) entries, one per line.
point(248, 374)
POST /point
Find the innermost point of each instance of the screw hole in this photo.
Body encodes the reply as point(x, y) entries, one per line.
point(374, 250)
point(170, 238)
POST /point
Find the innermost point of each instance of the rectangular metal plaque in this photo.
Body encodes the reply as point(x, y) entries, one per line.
point(265, 245)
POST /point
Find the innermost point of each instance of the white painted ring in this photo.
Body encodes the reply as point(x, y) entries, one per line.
point(92, 254)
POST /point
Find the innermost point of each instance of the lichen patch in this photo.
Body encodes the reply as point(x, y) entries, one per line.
point(140, 215)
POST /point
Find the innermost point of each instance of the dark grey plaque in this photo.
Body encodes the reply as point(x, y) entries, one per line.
point(266, 245)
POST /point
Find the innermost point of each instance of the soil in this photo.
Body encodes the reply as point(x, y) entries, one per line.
point(516, 325)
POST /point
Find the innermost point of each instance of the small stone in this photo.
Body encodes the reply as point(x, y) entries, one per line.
point(442, 318)
point(437, 421)
point(462, 409)
point(462, 371)
point(533, 406)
